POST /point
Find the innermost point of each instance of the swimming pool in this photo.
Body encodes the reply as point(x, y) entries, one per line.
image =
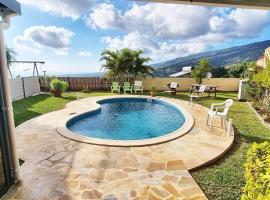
point(128, 119)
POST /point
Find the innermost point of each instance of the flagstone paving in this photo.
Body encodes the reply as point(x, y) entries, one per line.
point(57, 168)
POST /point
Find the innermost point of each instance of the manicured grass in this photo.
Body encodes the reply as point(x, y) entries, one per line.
point(38, 105)
point(222, 180)
point(225, 178)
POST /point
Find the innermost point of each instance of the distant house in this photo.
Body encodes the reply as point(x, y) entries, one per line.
point(262, 60)
point(185, 71)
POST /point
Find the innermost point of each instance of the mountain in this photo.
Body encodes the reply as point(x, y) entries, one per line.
point(218, 58)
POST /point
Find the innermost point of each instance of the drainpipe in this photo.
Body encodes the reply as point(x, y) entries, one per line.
point(7, 99)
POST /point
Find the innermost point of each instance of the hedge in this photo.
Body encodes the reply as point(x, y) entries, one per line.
point(257, 173)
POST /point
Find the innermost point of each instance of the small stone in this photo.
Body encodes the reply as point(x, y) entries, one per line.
point(93, 194)
point(154, 166)
point(175, 165)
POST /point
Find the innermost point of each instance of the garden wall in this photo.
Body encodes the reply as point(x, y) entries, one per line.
point(24, 87)
point(223, 84)
point(80, 83)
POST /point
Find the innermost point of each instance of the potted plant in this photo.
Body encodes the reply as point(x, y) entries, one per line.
point(153, 91)
point(58, 87)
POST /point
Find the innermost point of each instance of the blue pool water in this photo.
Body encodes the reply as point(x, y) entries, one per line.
point(128, 119)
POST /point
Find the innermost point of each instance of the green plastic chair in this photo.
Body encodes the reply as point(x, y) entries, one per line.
point(138, 87)
point(115, 87)
point(127, 87)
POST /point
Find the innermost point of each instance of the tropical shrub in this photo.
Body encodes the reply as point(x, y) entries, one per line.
point(201, 70)
point(241, 70)
point(126, 64)
point(257, 173)
point(58, 87)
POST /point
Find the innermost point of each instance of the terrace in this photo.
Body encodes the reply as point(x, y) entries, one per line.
point(194, 161)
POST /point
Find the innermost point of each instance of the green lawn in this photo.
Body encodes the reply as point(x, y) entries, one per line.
point(221, 180)
point(225, 178)
point(38, 105)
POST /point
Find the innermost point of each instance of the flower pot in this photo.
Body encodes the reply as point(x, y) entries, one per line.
point(56, 93)
point(153, 94)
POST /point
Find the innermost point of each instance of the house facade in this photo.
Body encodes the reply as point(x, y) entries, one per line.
point(262, 61)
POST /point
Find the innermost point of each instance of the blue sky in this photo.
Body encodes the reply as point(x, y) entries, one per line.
point(70, 35)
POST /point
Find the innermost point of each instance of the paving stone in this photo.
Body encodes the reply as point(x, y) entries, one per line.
point(110, 197)
point(159, 192)
point(170, 178)
point(92, 194)
point(133, 193)
point(57, 168)
point(171, 189)
point(115, 174)
point(66, 197)
point(23, 193)
point(155, 166)
point(175, 165)
point(107, 164)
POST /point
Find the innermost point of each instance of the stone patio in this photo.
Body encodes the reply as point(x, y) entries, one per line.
point(57, 168)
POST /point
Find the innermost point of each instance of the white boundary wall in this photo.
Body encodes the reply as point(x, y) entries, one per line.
point(24, 87)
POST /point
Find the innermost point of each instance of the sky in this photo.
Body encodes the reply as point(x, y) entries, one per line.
point(70, 35)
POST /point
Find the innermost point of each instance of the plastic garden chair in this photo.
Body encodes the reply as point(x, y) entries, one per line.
point(220, 110)
point(115, 87)
point(138, 86)
point(197, 94)
point(127, 87)
point(172, 86)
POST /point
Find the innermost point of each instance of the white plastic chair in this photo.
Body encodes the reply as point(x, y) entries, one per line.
point(138, 86)
point(220, 110)
point(197, 94)
point(172, 86)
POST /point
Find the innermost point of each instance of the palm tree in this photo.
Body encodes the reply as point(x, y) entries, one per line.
point(126, 64)
point(139, 67)
point(11, 57)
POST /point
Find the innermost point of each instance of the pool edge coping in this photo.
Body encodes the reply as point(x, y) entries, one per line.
point(183, 130)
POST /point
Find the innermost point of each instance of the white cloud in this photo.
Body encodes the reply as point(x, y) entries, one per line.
point(37, 37)
point(84, 53)
point(242, 23)
point(158, 51)
point(105, 16)
point(158, 20)
point(175, 22)
point(64, 8)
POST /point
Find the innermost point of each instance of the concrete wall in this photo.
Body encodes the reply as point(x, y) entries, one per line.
point(24, 87)
point(223, 84)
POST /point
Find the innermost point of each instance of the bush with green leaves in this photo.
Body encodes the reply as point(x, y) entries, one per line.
point(201, 70)
point(58, 87)
point(257, 173)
